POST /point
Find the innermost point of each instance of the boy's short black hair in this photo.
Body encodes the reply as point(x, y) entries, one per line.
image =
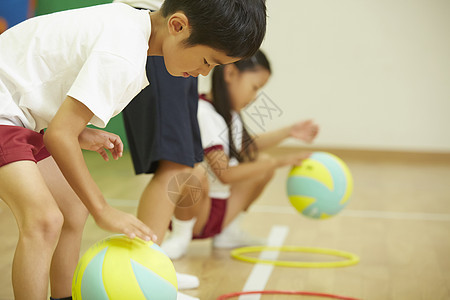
point(236, 27)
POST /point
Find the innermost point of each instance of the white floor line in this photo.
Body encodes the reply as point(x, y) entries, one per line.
point(360, 213)
point(261, 272)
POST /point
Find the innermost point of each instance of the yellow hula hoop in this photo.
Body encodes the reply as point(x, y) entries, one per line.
point(351, 259)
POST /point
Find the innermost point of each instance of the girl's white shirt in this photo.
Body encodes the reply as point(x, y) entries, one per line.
point(214, 133)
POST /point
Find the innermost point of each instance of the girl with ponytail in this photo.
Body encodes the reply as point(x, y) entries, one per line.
point(234, 172)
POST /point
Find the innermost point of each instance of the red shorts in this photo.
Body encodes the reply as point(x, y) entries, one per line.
point(215, 221)
point(19, 143)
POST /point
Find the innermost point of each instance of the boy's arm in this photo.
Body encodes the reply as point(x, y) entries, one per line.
point(304, 130)
point(62, 140)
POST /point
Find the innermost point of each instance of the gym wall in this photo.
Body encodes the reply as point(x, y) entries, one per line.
point(374, 74)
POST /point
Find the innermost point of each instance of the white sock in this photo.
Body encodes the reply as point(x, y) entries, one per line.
point(177, 243)
point(181, 296)
point(186, 281)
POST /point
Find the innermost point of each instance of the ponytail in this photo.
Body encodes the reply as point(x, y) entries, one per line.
point(222, 104)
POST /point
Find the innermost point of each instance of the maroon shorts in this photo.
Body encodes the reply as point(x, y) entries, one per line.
point(18, 143)
point(215, 221)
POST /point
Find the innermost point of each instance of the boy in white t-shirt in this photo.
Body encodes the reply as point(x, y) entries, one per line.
point(65, 70)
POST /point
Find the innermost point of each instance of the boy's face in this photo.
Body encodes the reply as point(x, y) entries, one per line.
point(185, 61)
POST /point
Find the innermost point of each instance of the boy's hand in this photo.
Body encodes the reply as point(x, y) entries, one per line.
point(305, 131)
point(99, 140)
point(114, 220)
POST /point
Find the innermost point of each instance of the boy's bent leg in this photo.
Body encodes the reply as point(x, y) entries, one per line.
point(155, 207)
point(190, 220)
point(66, 255)
point(201, 208)
point(39, 220)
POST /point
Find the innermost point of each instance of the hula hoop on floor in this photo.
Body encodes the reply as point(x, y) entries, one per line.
point(351, 259)
point(331, 296)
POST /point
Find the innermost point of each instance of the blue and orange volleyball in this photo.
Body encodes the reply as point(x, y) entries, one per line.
point(118, 268)
point(321, 186)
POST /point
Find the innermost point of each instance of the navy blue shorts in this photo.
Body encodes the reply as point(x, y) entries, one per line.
point(161, 121)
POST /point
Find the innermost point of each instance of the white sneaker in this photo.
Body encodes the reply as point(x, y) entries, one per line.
point(181, 296)
point(186, 281)
point(237, 238)
point(233, 236)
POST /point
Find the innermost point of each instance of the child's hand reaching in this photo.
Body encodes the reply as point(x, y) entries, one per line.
point(305, 131)
point(114, 220)
point(99, 140)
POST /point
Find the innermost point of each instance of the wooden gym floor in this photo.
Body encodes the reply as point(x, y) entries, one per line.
point(398, 223)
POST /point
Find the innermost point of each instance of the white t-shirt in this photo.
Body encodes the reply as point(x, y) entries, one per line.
point(148, 4)
point(214, 134)
point(96, 55)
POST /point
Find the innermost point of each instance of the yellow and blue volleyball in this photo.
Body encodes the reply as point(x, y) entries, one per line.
point(321, 186)
point(118, 268)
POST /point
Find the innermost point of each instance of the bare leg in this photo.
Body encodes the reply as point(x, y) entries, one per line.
point(66, 255)
point(155, 207)
point(243, 194)
point(39, 220)
point(190, 218)
point(200, 210)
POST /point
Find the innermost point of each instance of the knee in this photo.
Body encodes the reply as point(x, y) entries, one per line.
point(76, 220)
point(267, 175)
point(43, 227)
point(264, 179)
